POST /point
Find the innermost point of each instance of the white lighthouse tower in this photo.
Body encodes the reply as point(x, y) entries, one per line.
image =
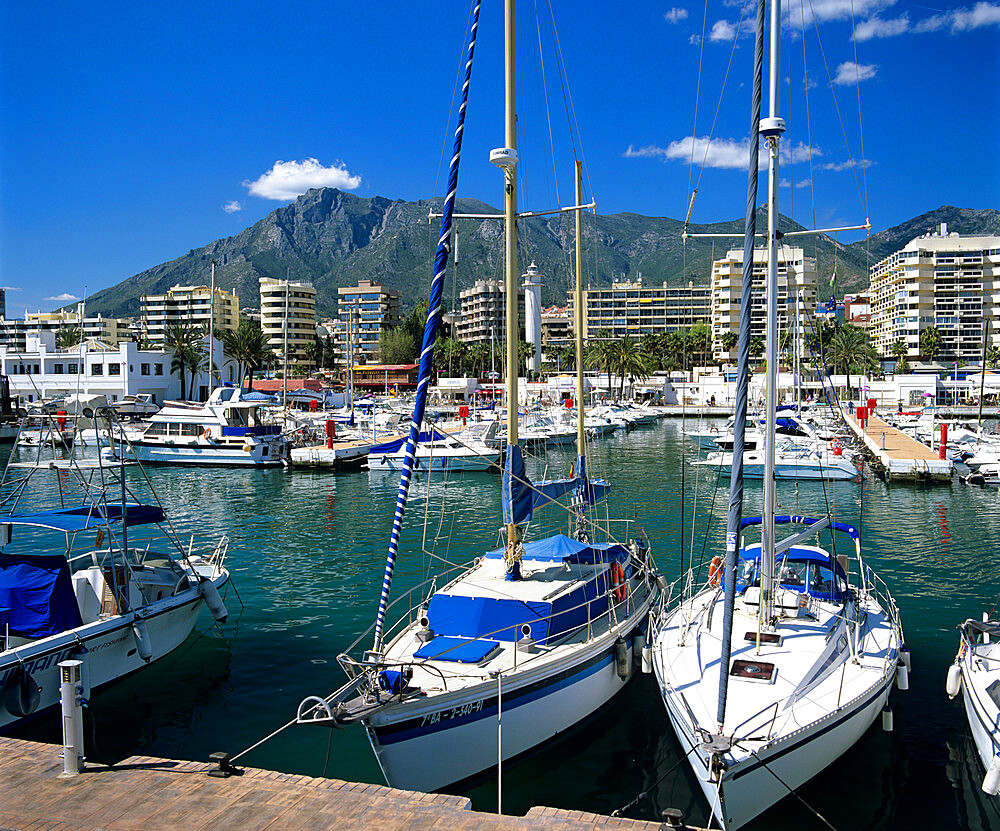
point(533, 315)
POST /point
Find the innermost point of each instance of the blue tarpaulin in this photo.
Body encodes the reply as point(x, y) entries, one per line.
point(560, 548)
point(38, 591)
point(486, 617)
point(86, 516)
point(459, 650)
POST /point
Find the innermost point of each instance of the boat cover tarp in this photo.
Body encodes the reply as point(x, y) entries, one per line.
point(459, 650)
point(785, 519)
point(396, 445)
point(515, 489)
point(38, 591)
point(487, 617)
point(87, 516)
point(560, 548)
point(520, 497)
point(796, 552)
point(256, 395)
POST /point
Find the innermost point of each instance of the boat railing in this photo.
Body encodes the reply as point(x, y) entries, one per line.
point(875, 587)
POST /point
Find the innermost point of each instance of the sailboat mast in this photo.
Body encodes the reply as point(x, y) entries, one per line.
point(771, 128)
point(510, 236)
point(578, 314)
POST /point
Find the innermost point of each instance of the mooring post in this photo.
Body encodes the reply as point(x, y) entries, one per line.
point(70, 691)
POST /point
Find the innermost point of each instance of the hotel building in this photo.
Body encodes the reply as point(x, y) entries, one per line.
point(291, 304)
point(635, 308)
point(188, 306)
point(363, 312)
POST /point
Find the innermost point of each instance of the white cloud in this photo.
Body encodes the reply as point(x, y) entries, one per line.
point(63, 298)
point(850, 163)
point(232, 206)
point(10, 288)
point(850, 72)
point(953, 20)
point(722, 30)
point(820, 11)
point(694, 40)
point(286, 180)
point(675, 15)
point(876, 27)
point(804, 183)
point(723, 154)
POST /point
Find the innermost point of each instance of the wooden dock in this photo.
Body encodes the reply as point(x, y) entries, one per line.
point(897, 456)
point(142, 792)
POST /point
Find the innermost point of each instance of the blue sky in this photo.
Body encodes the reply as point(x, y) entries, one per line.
point(133, 132)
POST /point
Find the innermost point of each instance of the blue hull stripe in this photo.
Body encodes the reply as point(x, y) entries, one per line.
point(414, 728)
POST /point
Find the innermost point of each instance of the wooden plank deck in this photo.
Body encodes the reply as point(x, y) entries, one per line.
point(142, 793)
point(898, 455)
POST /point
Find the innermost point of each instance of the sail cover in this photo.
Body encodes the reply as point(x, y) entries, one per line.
point(38, 592)
point(520, 497)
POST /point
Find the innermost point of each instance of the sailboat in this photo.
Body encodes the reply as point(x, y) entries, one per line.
point(497, 657)
point(91, 571)
point(777, 663)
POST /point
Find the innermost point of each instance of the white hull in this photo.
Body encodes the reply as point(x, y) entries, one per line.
point(204, 454)
point(982, 711)
point(534, 708)
point(438, 463)
point(108, 648)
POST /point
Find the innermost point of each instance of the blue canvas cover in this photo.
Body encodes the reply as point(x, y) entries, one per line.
point(38, 591)
point(559, 548)
point(487, 617)
point(515, 488)
point(459, 650)
point(396, 444)
point(87, 516)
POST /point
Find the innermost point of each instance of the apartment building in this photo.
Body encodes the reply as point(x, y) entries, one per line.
point(14, 333)
point(288, 315)
point(634, 308)
point(796, 278)
point(944, 280)
point(557, 329)
point(483, 313)
point(188, 306)
point(363, 312)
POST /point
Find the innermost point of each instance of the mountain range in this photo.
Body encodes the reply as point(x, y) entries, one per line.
point(333, 239)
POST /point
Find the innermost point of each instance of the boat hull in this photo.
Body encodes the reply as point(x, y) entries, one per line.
point(204, 454)
point(108, 648)
point(457, 736)
point(755, 784)
point(437, 464)
point(980, 711)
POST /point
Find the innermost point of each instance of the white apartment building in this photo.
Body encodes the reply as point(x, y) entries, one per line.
point(363, 311)
point(14, 333)
point(483, 313)
point(634, 308)
point(796, 277)
point(40, 371)
point(943, 280)
point(188, 306)
point(288, 303)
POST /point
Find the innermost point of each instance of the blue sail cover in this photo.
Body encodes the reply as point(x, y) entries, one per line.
point(520, 497)
point(559, 548)
point(38, 591)
point(86, 517)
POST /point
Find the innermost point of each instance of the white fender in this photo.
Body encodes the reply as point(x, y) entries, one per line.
point(953, 683)
point(991, 781)
point(902, 677)
point(647, 659)
point(142, 642)
point(638, 642)
point(887, 719)
point(207, 589)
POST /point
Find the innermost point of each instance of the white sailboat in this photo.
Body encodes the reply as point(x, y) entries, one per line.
point(777, 663)
point(496, 657)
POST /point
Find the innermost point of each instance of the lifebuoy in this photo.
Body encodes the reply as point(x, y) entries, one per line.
point(715, 571)
point(618, 580)
point(206, 433)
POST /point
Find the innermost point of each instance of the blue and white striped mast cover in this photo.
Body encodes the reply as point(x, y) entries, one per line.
point(430, 335)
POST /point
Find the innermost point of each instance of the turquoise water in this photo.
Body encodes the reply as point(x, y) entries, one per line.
point(307, 554)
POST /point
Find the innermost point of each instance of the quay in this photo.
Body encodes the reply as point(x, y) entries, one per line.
point(335, 455)
point(146, 792)
point(896, 456)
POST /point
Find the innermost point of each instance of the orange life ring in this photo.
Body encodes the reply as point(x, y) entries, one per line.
point(206, 433)
point(618, 580)
point(715, 571)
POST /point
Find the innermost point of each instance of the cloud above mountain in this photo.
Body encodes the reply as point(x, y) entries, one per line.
point(287, 180)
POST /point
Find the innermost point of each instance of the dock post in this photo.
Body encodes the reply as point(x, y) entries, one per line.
point(70, 691)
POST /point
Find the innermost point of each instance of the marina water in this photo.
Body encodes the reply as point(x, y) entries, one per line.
point(307, 555)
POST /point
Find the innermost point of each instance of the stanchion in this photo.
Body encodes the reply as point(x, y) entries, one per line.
point(70, 692)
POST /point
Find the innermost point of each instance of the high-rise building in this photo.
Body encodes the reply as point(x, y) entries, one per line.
point(796, 279)
point(188, 306)
point(557, 329)
point(943, 280)
point(364, 311)
point(108, 330)
point(288, 317)
point(634, 308)
point(483, 310)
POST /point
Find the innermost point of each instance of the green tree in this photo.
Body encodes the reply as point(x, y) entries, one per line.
point(247, 345)
point(651, 347)
point(187, 346)
point(850, 351)
point(729, 340)
point(930, 343)
point(567, 357)
point(525, 351)
point(397, 346)
point(475, 357)
point(993, 357)
point(899, 350)
point(756, 346)
point(628, 362)
point(698, 344)
point(598, 354)
point(68, 337)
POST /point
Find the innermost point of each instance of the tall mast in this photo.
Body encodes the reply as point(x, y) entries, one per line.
point(771, 128)
point(211, 332)
point(578, 314)
point(510, 234)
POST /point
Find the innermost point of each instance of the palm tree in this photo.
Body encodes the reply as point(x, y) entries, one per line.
point(849, 351)
point(185, 342)
point(598, 356)
point(756, 346)
point(729, 340)
point(899, 350)
point(525, 351)
point(930, 343)
point(651, 347)
point(247, 345)
point(476, 355)
point(628, 361)
point(68, 337)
